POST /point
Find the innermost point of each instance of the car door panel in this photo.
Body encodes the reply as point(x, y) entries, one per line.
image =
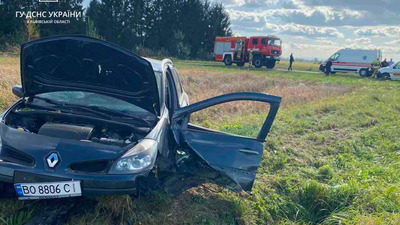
point(227, 154)
point(235, 156)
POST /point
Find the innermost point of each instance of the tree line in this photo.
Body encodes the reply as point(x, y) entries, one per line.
point(180, 28)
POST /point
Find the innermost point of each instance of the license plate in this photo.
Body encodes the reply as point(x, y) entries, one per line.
point(48, 190)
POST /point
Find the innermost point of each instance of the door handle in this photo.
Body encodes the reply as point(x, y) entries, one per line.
point(248, 151)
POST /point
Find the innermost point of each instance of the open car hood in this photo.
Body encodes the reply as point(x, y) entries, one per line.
point(78, 63)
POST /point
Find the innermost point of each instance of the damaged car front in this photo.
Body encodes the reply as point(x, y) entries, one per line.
point(88, 121)
point(94, 118)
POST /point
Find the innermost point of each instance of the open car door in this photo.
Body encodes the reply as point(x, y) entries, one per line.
point(235, 156)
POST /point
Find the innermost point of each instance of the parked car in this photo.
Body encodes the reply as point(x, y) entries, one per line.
point(353, 61)
point(392, 72)
point(94, 118)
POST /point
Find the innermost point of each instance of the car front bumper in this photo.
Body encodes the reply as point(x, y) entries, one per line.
point(91, 184)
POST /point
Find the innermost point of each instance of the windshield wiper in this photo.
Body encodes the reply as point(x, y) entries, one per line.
point(73, 106)
point(103, 109)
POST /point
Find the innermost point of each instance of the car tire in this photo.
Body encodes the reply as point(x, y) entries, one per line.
point(257, 62)
point(364, 73)
point(240, 64)
point(270, 64)
point(228, 60)
point(385, 76)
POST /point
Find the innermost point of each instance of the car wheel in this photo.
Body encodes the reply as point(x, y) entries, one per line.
point(364, 73)
point(270, 64)
point(257, 62)
point(228, 60)
point(240, 64)
point(385, 76)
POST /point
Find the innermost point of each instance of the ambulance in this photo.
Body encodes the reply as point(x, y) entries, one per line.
point(353, 61)
point(392, 72)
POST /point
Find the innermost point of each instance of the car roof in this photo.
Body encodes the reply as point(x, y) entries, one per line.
point(156, 64)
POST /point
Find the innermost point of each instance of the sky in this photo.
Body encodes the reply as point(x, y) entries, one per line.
point(318, 28)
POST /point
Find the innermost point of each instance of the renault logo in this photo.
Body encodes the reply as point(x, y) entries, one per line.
point(52, 160)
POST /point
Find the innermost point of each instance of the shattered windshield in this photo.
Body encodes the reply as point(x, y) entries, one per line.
point(92, 99)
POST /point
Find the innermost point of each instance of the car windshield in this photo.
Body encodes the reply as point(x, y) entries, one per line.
point(274, 42)
point(88, 99)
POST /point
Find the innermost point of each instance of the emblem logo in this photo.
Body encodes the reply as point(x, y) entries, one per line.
point(52, 160)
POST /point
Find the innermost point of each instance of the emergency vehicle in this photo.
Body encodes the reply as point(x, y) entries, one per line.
point(392, 72)
point(266, 50)
point(353, 60)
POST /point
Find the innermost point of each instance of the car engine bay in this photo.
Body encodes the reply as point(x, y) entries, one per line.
point(74, 127)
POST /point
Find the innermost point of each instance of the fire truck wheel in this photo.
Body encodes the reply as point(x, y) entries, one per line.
point(240, 64)
point(270, 64)
point(228, 60)
point(257, 62)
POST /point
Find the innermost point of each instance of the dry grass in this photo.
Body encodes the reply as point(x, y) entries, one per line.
point(9, 76)
point(202, 84)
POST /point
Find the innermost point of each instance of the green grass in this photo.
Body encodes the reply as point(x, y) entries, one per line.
point(332, 157)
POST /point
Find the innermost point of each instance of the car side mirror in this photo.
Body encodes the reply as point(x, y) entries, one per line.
point(17, 90)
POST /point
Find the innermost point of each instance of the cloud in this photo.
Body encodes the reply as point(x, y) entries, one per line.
point(290, 5)
point(305, 16)
point(393, 43)
point(389, 31)
point(376, 12)
point(362, 41)
point(249, 3)
point(302, 30)
point(366, 5)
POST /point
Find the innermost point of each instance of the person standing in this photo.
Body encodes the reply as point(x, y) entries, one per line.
point(251, 58)
point(328, 67)
point(291, 60)
point(391, 62)
point(376, 65)
point(385, 63)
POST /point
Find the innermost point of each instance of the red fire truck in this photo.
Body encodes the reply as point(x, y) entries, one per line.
point(266, 50)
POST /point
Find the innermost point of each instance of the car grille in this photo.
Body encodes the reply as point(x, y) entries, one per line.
point(9, 154)
point(97, 166)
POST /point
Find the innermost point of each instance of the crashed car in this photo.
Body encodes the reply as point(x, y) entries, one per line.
point(94, 119)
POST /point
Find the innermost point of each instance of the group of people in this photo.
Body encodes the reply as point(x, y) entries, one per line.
point(385, 63)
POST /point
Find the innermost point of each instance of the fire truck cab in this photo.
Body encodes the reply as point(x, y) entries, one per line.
point(266, 50)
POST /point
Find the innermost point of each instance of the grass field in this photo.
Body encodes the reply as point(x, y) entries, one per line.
point(332, 157)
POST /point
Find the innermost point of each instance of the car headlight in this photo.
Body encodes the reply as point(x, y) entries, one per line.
point(136, 159)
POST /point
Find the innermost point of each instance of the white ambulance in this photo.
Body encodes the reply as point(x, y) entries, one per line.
point(353, 60)
point(392, 72)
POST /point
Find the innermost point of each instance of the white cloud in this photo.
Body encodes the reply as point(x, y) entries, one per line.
point(302, 30)
point(363, 41)
point(249, 3)
point(389, 31)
